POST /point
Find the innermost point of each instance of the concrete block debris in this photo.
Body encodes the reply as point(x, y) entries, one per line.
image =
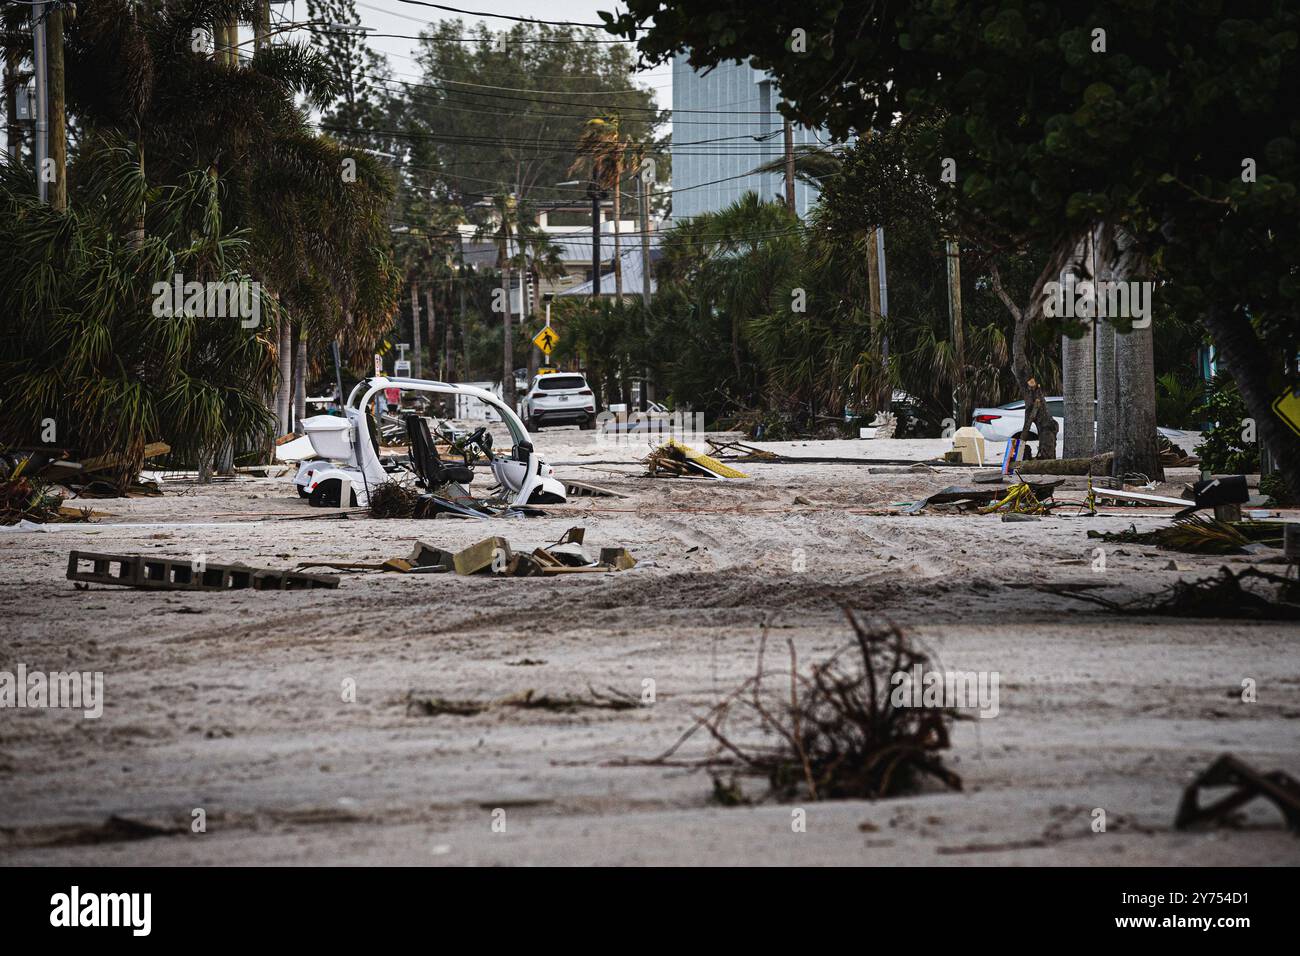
point(184, 574)
point(567, 556)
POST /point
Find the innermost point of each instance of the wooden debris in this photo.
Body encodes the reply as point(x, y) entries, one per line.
point(674, 459)
point(1280, 788)
point(1096, 465)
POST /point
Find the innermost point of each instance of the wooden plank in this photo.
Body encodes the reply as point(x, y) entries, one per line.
point(1141, 497)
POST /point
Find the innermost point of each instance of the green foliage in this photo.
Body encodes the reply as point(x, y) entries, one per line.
point(1174, 125)
point(488, 107)
point(1179, 399)
point(83, 346)
point(1224, 450)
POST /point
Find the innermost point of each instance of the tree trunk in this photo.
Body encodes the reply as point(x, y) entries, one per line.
point(445, 364)
point(1135, 383)
point(300, 373)
point(58, 111)
point(1107, 397)
point(1243, 355)
point(879, 403)
point(508, 341)
point(961, 397)
point(1078, 387)
point(284, 388)
point(1136, 451)
point(1036, 412)
point(417, 364)
point(13, 131)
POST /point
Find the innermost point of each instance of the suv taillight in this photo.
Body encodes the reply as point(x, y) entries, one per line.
point(586, 391)
point(985, 419)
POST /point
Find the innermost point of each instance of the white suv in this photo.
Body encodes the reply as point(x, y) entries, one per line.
point(560, 398)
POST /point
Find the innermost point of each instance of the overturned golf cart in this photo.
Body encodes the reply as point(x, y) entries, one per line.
point(348, 459)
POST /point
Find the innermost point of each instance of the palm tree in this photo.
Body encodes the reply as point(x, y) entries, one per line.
point(511, 226)
point(85, 346)
point(320, 245)
point(605, 153)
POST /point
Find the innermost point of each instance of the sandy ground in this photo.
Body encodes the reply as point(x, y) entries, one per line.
point(232, 703)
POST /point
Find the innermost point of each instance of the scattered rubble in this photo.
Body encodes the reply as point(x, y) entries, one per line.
point(420, 705)
point(184, 574)
point(98, 477)
point(1197, 534)
point(567, 556)
point(25, 499)
point(673, 459)
point(1018, 497)
point(1223, 596)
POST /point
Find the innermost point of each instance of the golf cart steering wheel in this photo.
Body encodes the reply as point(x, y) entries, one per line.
point(482, 438)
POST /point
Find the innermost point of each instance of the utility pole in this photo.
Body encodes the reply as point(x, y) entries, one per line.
point(507, 345)
point(261, 25)
point(594, 193)
point(417, 366)
point(789, 167)
point(58, 113)
point(960, 396)
point(643, 195)
point(42, 130)
point(464, 322)
point(882, 285)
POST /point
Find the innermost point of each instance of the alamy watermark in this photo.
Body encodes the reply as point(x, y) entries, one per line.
point(958, 690)
point(1073, 298)
point(37, 690)
point(635, 428)
point(209, 300)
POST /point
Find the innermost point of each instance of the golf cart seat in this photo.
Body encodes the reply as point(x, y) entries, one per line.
point(431, 469)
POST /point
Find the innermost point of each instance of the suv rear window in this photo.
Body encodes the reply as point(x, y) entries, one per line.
point(553, 383)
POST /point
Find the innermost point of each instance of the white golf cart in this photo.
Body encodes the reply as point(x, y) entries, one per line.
point(348, 457)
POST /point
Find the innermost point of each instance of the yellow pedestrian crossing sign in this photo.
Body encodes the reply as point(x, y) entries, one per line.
point(546, 339)
point(1287, 407)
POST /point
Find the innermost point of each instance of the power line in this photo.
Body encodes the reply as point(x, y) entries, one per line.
point(505, 16)
point(522, 99)
point(424, 22)
point(411, 36)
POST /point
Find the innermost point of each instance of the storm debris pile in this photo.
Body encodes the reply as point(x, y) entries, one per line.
point(674, 460)
point(567, 556)
point(1197, 534)
point(1227, 595)
point(836, 730)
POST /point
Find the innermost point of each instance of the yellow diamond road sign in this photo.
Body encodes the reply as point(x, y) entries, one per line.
point(1287, 407)
point(546, 339)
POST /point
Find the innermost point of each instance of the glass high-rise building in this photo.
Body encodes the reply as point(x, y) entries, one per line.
point(725, 125)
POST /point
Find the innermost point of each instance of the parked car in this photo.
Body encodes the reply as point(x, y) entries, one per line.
point(1005, 421)
point(560, 398)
